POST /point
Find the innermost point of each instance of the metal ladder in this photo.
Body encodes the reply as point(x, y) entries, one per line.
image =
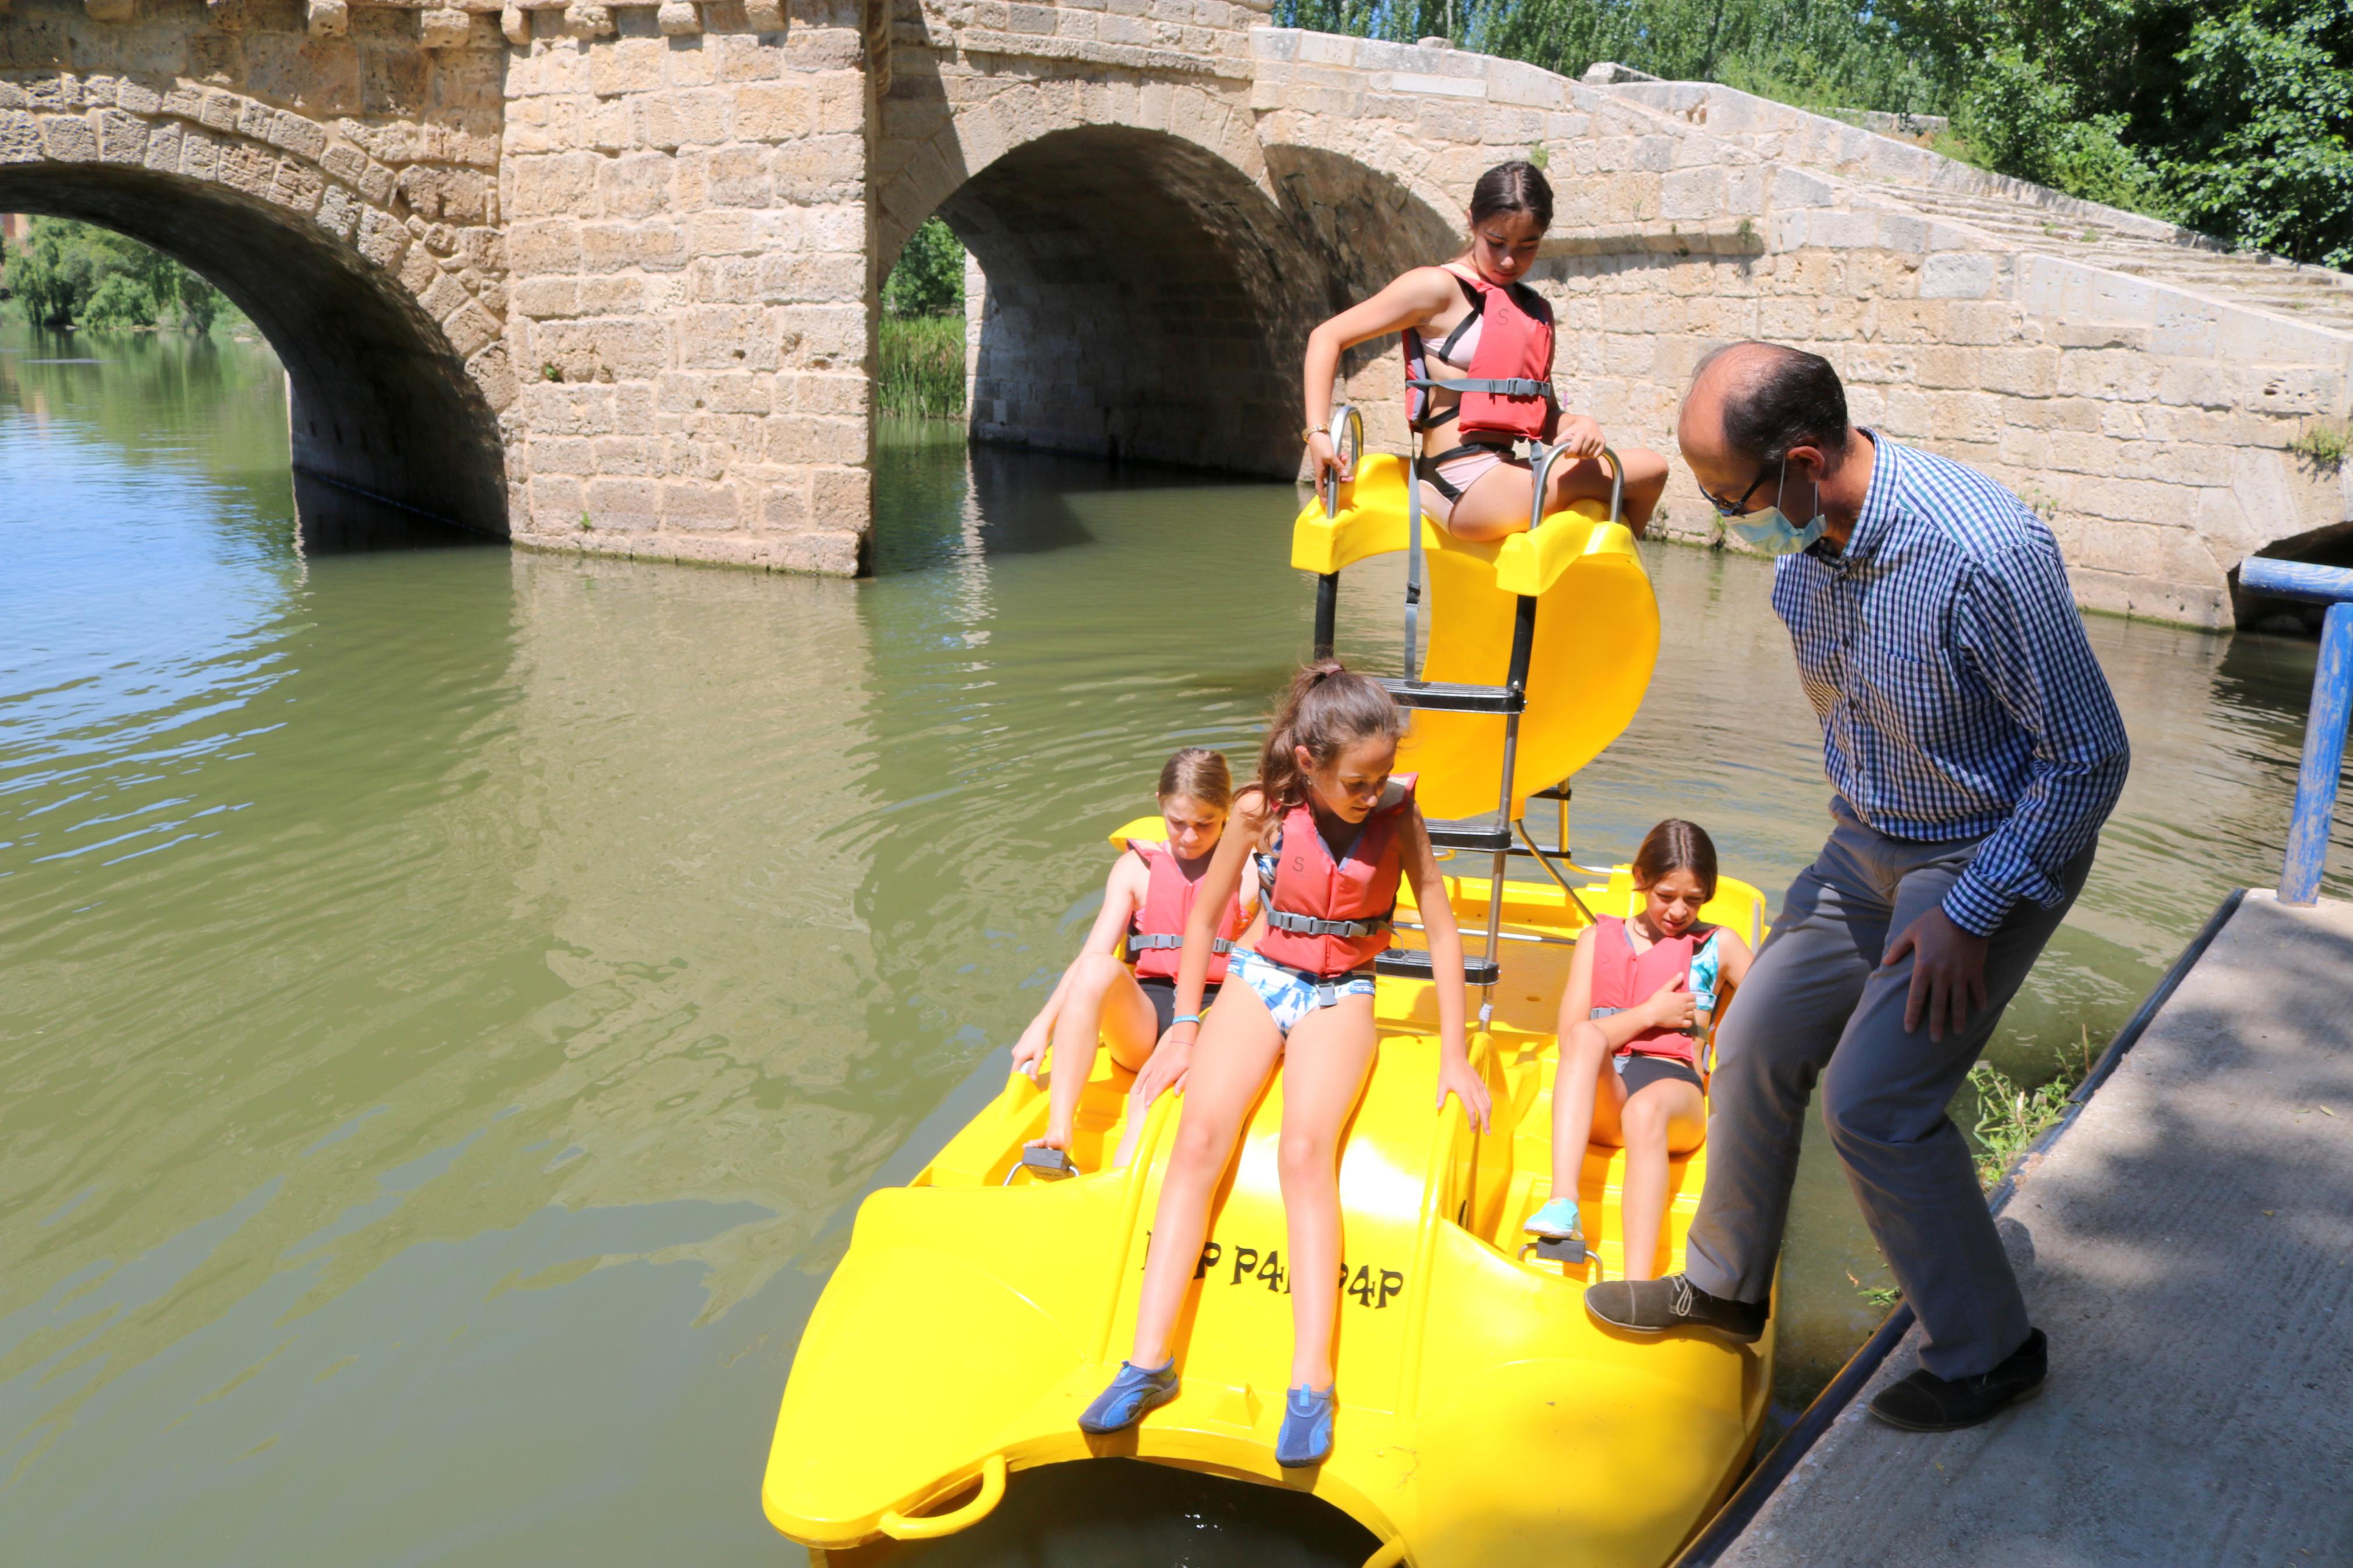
point(1506, 701)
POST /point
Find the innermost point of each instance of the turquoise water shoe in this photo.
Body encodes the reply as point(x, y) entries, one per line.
point(1556, 1221)
point(1306, 1435)
point(1133, 1393)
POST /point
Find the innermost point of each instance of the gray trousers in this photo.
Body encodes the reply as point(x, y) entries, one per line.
point(1819, 1004)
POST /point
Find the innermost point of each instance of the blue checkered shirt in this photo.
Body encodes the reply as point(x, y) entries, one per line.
point(1957, 694)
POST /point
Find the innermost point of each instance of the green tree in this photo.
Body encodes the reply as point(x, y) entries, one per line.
point(119, 301)
point(2018, 119)
point(64, 273)
point(2261, 155)
point(929, 277)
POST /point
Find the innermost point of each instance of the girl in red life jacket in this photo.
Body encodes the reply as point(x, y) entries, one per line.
point(1152, 889)
point(1474, 318)
point(1331, 833)
point(1641, 995)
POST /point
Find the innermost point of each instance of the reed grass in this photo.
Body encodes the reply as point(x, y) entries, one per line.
point(2010, 1119)
point(922, 367)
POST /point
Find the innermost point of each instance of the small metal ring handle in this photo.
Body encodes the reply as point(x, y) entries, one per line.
point(931, 1526)
point(1345, 420)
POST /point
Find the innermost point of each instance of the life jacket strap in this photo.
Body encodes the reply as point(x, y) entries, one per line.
point(1315, 925)
point(1508, 386)
point(1604, 1012)
point(1151, 939)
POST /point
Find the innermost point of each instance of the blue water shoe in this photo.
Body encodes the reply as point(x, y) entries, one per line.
point(1556, 1221)
point(1306, 1435)
point(1133, 1392)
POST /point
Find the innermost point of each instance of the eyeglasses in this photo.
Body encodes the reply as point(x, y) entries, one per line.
point(1738, 507)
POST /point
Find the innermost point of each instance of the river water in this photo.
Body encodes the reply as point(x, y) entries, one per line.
point(451, 1000)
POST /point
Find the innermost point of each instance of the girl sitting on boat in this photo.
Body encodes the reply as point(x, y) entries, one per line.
point(1151, 891)
point(1331, 833)
point(1642, 992)
point(1479, 365)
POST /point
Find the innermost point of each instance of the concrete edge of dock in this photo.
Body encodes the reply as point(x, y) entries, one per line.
point(2207, 1161)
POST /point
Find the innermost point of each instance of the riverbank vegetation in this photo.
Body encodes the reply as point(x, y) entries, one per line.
point(2010, 1119)
point(62, 273)
point(2233, 117)
point(922, 332)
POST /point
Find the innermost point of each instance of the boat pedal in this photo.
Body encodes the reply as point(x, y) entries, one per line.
point(1043, 1163)
point(1565, 1250)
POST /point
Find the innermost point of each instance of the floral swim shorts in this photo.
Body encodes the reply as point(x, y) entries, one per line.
point(1291, 994)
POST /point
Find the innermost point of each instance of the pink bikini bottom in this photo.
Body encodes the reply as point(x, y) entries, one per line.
point(1456, 473)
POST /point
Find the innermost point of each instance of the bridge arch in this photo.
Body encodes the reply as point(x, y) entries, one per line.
point(1152, 268)
point(306, 235)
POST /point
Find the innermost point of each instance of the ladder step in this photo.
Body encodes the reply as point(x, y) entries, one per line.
point(1448, 697)
point(1413, 963)
point(1469, 835)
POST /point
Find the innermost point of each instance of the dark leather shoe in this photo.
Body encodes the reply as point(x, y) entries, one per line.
point(1663, 1306)
point(1926, 1402)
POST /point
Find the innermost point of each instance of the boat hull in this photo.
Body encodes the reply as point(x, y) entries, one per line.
point(1483, 1415)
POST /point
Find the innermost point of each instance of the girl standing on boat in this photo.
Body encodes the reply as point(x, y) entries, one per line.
point(1331, 833)
point(1479, 359)
point(1641, 993)
point(1152, 890)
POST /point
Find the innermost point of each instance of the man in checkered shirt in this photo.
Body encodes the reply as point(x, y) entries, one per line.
point(1974, 750)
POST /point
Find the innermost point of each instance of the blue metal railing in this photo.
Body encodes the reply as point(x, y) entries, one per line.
point(2332, 705)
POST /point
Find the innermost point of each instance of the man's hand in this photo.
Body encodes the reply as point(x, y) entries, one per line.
point(1948, 973)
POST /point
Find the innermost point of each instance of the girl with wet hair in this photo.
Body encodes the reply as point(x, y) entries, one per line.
point(1643, 994)
point(1475, 321)
point(1330, 833)
point(1121, 990)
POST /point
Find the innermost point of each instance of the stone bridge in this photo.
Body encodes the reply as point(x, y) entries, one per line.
point(603, 276)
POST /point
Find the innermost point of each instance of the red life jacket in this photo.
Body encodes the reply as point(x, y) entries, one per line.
point(1508, 389)
point(1328, 919)
point(1157, 935)
point(1623, 978)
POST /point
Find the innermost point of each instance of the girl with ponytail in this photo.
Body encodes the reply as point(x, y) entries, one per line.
point(1329, 833)
point(1479, 365)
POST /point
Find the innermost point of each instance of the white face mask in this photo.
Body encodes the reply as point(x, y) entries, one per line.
point(1771, 531)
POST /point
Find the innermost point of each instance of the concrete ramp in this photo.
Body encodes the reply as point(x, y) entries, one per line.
point(2187, 1244)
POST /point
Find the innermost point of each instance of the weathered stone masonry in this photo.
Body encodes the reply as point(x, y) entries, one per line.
point(603, 276)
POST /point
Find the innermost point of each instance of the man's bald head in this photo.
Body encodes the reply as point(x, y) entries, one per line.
point(1750, 403)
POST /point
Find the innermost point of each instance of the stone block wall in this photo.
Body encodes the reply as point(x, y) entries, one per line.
point(689, 254)
point(2146, 413)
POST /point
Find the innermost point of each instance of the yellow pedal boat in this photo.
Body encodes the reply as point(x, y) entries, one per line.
point(1485, 1417)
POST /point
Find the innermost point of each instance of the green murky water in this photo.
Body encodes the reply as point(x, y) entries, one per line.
point(451, 1000)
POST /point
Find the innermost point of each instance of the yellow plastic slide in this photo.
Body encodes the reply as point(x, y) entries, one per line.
point(1597, 635)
